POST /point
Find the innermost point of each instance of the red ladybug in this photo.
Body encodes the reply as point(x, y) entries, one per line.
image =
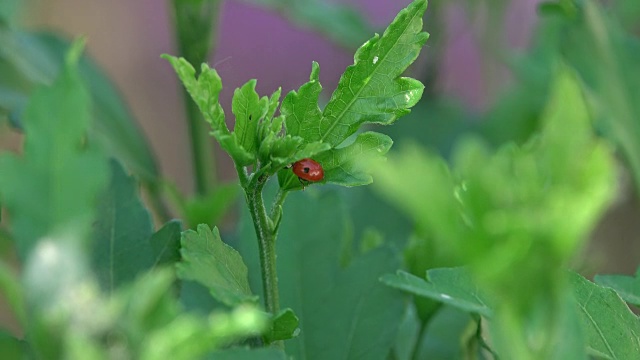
point(308, 169)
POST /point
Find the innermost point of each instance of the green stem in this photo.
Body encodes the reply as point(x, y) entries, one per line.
point(266, 243)
point(196, 25)
point(202, 153)
point(276, 210)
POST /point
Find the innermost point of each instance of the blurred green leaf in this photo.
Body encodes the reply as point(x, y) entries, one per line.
point(628, 287)
point(121, 249)
point(12, 292)
point(154, 328)
point(344, 313)
point(340, 23)
point(283, 327)
point(444, 336)
point(204, 209)
point(13, 348)
point(61, 295)
point(165, 244)
point(527, 207)
point(352, 164)
point(42, 190)
point(408, 335)
point(248, 354)
point(612, 330)
point(453, 286)
point(8, 11)
point(590, 38)
point(490, 197)
point(32, 59)
point(214, 264)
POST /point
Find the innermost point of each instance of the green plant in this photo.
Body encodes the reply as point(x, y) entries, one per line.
point(478, 242)
point(262, 144)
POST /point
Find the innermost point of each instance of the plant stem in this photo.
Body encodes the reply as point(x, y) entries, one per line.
point(196, 24)
point(266, 243)
point(202, 154)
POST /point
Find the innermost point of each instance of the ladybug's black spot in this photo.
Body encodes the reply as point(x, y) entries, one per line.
point(306, 170)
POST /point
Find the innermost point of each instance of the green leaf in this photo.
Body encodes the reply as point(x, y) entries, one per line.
point(352, 165)
point(42, 190)
point(121, 249)
point(344, 313)
point(408, 333)
point(274, 101)
point(248, 354)
point(204, 91)
point(594, 43)
point(38, 58)
point(206, 209)
point(341, 23)
point(371, 90)
point(300, 108)
point(451, 286)
point(612, 329)
point(249, 109)
point(444, 335)
point(151, 326)
point(627, 287)
point(214, 264)
point(13, 348)
point(283, 327)
point(165, 244)
point(12, 292)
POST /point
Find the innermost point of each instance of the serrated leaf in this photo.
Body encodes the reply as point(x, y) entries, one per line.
point(612, 329)
point(627, 287)
point(214, 264)
point(249, 109)
point(204, 91)
point(352, 165)
point(300, 108)
point(165, 244)
point(121, 249)
point(274, 101)
point(371, 90)
point(42, 190)
point(284, 326)
point(451, 286)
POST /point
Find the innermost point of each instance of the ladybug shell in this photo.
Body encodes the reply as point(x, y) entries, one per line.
point(308, 169)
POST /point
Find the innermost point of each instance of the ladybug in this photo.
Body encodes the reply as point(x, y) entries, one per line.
point(308, 169)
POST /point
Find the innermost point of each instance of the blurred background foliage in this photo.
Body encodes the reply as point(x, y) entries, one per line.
point(491, 71)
